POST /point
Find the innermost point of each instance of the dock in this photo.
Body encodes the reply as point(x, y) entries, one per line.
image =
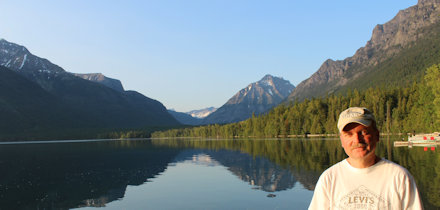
point(419, 144)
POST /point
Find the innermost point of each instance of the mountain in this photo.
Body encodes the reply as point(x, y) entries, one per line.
point(25, 107)
point(397, 54)
point(185, 118)
point(192, 117)
point(256, 98)
point(202, 113)
point(81, 105)
point(100, 78)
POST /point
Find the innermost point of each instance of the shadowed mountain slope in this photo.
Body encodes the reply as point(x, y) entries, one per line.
point(396, 55)
point(79, 103)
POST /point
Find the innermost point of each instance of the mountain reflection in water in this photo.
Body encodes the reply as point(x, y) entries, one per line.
point(67, 175)
point(97, 174)
point(258, 172)
point(70, 175)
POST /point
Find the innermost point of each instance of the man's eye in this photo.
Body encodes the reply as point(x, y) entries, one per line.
point(365, 132)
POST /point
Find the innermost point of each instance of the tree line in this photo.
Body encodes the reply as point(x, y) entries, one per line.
point(414, 108)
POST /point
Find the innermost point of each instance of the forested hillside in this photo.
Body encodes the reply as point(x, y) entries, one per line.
point(395, 56)
point(415, 108)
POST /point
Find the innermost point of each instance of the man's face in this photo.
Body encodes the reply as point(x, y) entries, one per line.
point(359, 141)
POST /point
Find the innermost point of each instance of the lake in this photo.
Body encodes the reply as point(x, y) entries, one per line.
point(186, 173)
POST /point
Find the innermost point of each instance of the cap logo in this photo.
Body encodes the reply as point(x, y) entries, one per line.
point(352, 114)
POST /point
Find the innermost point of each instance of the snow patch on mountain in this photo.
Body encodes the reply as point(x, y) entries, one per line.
point(202, 113)
point(24, 60)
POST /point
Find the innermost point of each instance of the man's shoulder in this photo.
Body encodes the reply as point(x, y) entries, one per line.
point(388, 163)
point(393, 167)
point(335, 168)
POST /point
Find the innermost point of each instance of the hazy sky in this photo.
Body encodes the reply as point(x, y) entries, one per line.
point(192, 54)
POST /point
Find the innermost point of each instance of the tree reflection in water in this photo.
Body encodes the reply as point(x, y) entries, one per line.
point(69, 175)
point(259, 172)
point(308, 158)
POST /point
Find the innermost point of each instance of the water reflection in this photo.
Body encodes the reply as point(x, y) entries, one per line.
point(70, 175)
point(307, 159)
point(258, 172)
point(94, 174)
point(424, 164)
point(291, 160)
point(61, 176)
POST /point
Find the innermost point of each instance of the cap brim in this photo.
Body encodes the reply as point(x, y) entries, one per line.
point(363, 122)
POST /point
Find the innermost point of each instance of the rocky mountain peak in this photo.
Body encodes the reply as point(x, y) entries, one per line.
point(18, 58)
point(257, 98)
point(11, 48)
point(387, 41)
point(12, 55)
point(101, 79)
point(403, 28)
point(264, 91)
point(267, 81)
point(267, 77)
point(428, 2)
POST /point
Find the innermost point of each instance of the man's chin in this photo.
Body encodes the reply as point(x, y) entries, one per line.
point(360, 152)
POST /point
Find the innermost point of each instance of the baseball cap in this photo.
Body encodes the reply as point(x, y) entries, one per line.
point(359, 115)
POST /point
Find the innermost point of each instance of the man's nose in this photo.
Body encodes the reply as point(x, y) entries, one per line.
point(358, 138)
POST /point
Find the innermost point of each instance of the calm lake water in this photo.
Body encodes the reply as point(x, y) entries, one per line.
point(186, 174)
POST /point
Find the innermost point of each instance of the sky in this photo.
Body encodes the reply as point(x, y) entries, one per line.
point(193, 54)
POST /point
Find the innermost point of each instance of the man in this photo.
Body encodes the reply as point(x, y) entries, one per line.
point(363, 180)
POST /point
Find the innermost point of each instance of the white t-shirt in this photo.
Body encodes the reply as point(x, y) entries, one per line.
point(385, 185)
